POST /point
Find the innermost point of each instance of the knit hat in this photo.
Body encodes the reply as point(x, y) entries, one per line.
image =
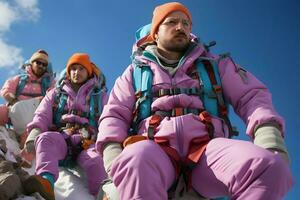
point(84, 60)
point(39, 55)
point(161, 12)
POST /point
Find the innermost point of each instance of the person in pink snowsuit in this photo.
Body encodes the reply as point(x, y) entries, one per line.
point(64, 127)
point(37, 81)
point(179, 138)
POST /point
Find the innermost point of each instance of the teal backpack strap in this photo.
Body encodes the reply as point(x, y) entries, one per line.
point(59, 106)
point(22, 82)
point(209, 98)
point(92, 111)
point(95, 107)
point(46, 82)
point(213, 98)
point(142, 82)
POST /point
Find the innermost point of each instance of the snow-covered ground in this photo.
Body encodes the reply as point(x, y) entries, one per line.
point(71, 184)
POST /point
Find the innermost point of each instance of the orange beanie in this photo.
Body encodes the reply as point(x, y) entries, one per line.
point(161, 12)
point(84, 60)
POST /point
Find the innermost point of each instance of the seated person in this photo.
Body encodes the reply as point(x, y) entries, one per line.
point(64, 127)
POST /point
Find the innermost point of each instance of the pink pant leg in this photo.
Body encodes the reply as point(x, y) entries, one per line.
point(241, 170)
point(143, 171)
point(92, 164)
point(50, 148)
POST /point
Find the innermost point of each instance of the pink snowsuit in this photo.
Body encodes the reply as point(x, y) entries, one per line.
point(51, 146)
point(228, 167)
point(31, 89)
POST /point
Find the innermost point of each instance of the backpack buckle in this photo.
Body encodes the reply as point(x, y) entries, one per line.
point(205, 117)
point(155, 120)
point(153, 124)
point(138, 94)
point(178, 111)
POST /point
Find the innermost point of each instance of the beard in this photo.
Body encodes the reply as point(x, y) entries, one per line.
point(176, 44)
point(176, 47)
point(39, 72)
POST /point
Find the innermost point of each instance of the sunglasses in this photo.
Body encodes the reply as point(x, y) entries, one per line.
point(41, 63)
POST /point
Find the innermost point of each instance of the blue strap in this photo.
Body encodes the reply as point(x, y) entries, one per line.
point(21, 84)
point(45, 85)
point(95, 108)
point(142, 82)
point(209, 96)
point(92, 111)
point(61, 100)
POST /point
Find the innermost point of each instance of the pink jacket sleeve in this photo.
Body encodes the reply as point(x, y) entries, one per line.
point(43, 116)
point(10, 86)
point(251, 100)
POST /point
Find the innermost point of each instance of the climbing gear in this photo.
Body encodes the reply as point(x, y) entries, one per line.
point(45, 82)
point(88, 132)
point(210, 92)
point(94, 101)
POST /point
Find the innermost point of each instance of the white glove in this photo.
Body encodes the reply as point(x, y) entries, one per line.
point(29, 144)
point(110, 152)
point(269, 137)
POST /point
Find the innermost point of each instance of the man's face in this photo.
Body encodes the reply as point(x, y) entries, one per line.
point(174, 32)
point(39, 67)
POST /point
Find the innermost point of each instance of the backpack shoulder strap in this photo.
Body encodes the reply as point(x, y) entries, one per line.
point(60, 101)
point(22, 82)
point(95, 107)
point(46, 82)
point(142, 77)
point(213, 98)
point(209, 79)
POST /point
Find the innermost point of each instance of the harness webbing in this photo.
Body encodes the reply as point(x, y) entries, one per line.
point(210, 92)
point(222, 109)
point(176, 91)
point(45, 84)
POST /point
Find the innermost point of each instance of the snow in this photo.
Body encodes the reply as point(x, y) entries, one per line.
point(71, 184)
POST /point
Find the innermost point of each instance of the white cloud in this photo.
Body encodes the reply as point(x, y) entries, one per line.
point(29, 9)
point(10, 55)
point(7, 16)
point(12, 12)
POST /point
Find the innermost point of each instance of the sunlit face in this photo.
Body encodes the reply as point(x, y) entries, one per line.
point(78, 74)
point(39, 67)
point(174, 32)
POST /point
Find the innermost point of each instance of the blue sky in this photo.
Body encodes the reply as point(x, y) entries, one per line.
point(262, 36)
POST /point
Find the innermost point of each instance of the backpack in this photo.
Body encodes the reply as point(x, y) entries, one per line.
point(209, 79)
point(45, 83)
point(95, 99)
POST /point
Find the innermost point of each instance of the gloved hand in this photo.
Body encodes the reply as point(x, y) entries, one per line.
point(29, 147)
point(110, 152)
point(29, 144)
point(10, 98)
point(269, 137)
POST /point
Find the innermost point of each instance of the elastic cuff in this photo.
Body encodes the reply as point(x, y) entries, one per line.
point(33, 134)
point(49, 177)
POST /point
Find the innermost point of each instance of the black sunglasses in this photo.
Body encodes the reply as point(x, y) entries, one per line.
point(41, 63)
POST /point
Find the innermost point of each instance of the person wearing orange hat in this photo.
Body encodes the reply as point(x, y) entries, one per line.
point(175, 138)
point(64, 128)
